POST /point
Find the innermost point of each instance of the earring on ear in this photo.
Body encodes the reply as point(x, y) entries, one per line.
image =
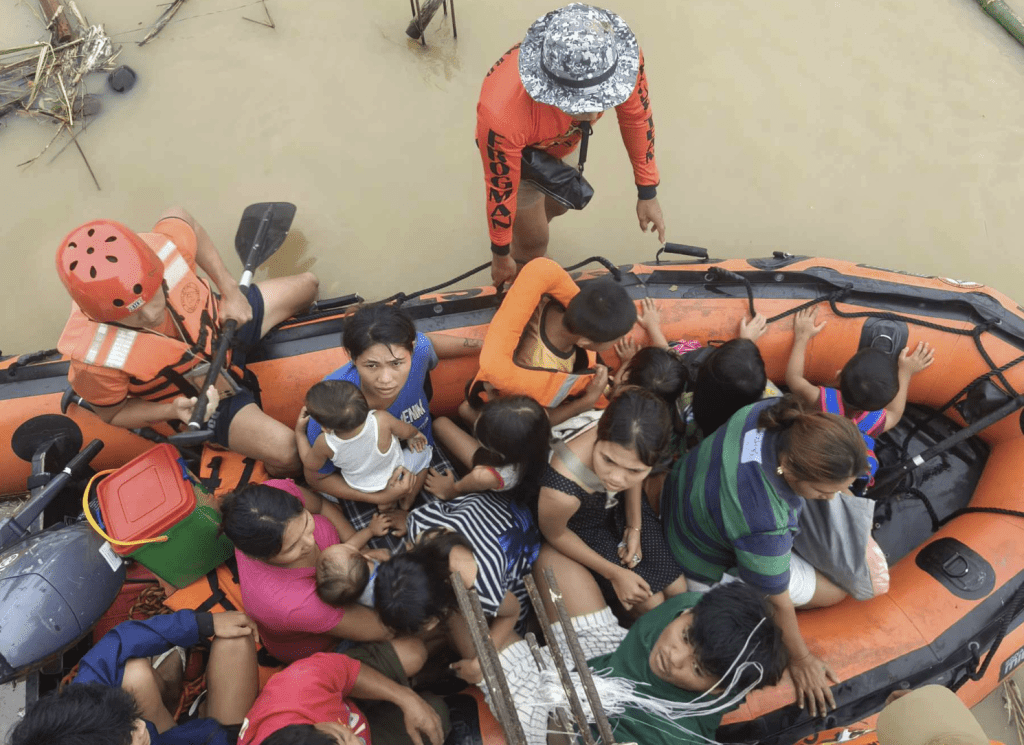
point(779, 471)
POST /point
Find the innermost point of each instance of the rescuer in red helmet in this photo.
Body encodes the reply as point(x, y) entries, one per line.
point(143, 328)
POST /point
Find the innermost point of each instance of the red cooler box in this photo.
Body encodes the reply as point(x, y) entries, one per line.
point(156, 495)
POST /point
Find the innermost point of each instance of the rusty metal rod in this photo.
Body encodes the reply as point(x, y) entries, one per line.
point(575, 706)
point(560, 713)
point(600, 718)
point(490, 665)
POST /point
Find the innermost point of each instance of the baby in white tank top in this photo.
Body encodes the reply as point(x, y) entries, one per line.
point(363, 444)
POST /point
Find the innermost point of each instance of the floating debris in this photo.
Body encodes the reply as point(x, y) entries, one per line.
point(45, 78)
point(162, 21)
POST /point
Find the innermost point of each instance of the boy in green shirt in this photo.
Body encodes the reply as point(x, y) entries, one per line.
point(688, 661)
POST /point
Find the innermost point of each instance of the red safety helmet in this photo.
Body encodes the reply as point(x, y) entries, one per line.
point(108, 270)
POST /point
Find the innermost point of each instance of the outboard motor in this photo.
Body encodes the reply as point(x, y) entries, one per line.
point(55, 584)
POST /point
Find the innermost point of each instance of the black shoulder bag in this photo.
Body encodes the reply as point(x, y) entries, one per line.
point(559, 180)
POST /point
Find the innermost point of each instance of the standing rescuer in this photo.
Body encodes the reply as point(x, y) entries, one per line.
point(143, 328)
point(574, 64)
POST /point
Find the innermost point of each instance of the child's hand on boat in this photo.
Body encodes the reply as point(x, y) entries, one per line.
point(649, 317)
point(914, 362)
point(754, 329)
point(811, 678)
point(232, 624)
point(441, 485)
point(805, 325)
point(417, 442)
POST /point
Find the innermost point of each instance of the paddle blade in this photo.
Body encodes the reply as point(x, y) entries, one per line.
point(258, 238)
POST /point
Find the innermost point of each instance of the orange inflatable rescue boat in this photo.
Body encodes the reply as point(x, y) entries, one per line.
point(948, 492)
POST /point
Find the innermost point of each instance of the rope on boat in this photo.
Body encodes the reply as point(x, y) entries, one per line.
point(401, 297)
point(1013, 609)
point(30, 359)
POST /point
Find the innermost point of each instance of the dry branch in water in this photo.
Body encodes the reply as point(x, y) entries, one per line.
point(162, 21)
point(45, 78)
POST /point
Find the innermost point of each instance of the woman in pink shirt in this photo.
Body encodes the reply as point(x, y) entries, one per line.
point(279, 529)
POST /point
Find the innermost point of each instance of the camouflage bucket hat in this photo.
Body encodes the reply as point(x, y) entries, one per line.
point(580, 59)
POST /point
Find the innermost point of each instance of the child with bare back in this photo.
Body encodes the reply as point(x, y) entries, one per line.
point(872, 390)
point(362, 443)
point(345, 572)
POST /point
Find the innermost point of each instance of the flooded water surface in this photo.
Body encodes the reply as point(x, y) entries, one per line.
point(887, 133)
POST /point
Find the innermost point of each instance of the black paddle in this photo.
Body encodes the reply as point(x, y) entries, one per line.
point(261, 231)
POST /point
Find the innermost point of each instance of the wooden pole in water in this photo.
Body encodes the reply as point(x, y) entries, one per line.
point(1005, 16)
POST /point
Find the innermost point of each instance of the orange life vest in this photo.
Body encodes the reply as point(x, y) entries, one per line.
point(497, 365)
point(155, 363)
point(222, 471)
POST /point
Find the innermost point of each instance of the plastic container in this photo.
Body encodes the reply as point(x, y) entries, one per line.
point(156, 495)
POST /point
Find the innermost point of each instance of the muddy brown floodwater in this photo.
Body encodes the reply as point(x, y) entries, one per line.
point(889, 132)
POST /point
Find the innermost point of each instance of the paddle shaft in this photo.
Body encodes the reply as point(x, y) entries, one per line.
point(228, 332)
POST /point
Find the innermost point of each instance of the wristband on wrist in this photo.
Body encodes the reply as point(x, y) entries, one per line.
point(500, 250)
point(646, 192)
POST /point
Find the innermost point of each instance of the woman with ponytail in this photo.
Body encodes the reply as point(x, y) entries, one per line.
point(735, 501)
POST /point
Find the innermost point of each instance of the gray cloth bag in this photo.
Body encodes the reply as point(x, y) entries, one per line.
point(833, 538)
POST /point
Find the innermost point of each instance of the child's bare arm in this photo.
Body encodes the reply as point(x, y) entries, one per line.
point(586, 402)
point(317, 505)
point(649, 319)
point(380, 524)
point(804, 329)
point(910, 364)
point(312, 456)
point(444, 485)
point(402, 430)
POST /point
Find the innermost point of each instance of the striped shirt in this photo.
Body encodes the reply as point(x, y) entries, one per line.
point(504, 538)
point(725, 506)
